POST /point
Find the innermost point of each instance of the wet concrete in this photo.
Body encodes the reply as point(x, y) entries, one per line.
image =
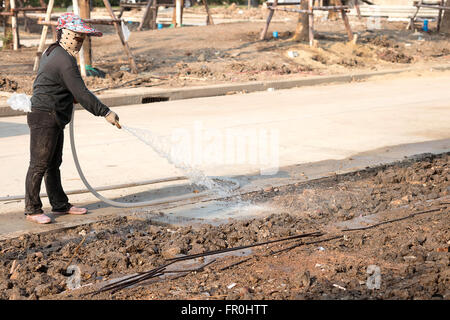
point(322, 136)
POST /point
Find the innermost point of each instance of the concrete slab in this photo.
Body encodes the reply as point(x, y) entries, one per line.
point(131, 96)
point(321, 131)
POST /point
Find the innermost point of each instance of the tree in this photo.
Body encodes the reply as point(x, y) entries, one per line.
point(302, 29)
point(445, 24)
point(333, 15)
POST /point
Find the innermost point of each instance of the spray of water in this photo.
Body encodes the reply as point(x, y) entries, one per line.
point(163, 147)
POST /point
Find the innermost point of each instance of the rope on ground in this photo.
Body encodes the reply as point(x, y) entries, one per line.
point(393, 220)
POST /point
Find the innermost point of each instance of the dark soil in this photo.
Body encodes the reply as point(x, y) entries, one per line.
point(7, 84)
point(411, 254)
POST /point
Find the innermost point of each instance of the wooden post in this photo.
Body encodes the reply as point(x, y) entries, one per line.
point(43, 35)
point(358, 10)
point(269, 18)
point(413, 18)
point(311, 22)
point(147, 15)
point(15, 27)
point(122, 9)
point(154, 15)
point(25, 18)
point(179, 12)
point(174, 16)
point(439, 17)
point(182, 11)
point(54, 33)
point(122, 39)
point(85, 13)
point(346, 22)
point(76, 10)
point(209, 19)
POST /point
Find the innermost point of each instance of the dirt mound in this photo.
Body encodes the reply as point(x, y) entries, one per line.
point(394, 57)
point(382, 41)
point(7, 84)
point(387, 189)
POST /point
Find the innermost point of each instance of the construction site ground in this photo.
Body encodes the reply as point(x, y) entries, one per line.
point(410, 251)
point(349, 159)
point(329, 178)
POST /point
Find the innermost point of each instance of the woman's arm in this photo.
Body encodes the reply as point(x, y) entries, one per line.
point(73, 81)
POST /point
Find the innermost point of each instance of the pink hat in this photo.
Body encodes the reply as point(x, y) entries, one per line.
point(75, 23)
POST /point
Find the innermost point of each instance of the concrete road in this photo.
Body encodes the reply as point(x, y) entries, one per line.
point(298, 134)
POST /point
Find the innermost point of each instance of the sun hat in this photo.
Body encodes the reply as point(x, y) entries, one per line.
point(73, 22)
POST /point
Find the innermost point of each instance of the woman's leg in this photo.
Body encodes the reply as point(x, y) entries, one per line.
point(44, 137)
point(57, 196)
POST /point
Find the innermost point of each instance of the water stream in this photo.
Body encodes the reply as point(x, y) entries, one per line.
point(215, 211)
point(164, 148)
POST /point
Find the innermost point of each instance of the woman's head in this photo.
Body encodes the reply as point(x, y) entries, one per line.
point(74, 23)
point(72, 30)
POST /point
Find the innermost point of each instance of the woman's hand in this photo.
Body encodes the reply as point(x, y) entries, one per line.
point(113, 118)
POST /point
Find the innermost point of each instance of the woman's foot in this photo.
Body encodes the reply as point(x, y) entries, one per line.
point(38, 218)
point(73, 210)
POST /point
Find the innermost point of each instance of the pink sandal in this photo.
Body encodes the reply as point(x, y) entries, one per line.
point(74, 210)
point(38, 218)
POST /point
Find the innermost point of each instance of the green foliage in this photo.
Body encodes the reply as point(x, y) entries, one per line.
point(7, 41)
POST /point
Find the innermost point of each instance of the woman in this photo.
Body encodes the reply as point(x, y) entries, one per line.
point(58, 85)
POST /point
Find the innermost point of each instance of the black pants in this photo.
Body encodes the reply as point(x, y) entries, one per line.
point(46, 146)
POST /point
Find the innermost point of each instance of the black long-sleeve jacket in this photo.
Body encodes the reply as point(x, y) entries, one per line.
point(58, 82)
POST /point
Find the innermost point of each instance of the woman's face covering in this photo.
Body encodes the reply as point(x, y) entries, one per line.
point(72, 40)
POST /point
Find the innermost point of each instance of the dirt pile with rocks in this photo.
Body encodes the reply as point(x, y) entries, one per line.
point(7, 84)
point(411, 252)
point(387, 189)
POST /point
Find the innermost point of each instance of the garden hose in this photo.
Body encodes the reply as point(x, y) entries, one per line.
point(134, 204)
